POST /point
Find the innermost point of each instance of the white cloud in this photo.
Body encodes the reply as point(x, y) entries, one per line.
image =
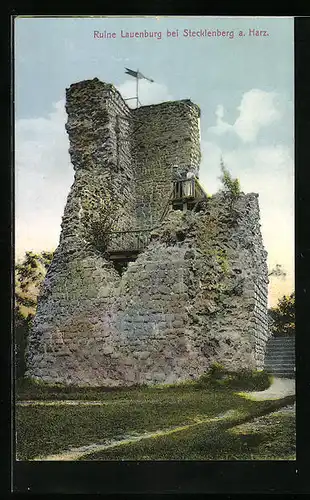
point(119, 59)
point(257, 109)
point(221, 126)
point(149, 93)
point(268, 171)
point(43, 175)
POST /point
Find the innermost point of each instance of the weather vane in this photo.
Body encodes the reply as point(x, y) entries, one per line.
point(138, 76)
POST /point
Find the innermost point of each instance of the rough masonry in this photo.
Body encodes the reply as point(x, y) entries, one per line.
point(196, 294)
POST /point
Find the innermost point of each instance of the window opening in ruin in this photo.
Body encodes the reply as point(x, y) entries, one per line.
point(180, 235)
point(177, 206)
point(121, 265)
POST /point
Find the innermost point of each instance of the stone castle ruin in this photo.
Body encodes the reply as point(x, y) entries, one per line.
point(152, 281)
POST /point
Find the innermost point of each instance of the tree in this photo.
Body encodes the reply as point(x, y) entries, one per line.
point(29, 276)
point(231, 186)
point(282, 317)
point(277, 272)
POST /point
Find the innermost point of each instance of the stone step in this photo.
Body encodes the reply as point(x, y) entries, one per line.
point(282, 373)
point(284, 341)
point(280, 361)
point(279, 337)
point(292, 340)
point(281, 342)
point(286, 361)
point(280, 368)
point(282, 351)
point(279, 353)
point(280, 346)
point(271, 365)
point(282, 356)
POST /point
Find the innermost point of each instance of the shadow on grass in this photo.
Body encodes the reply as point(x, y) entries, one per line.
point(268, 441)
point(45, 430)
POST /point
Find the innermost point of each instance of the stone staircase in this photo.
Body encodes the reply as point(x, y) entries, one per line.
point(280, 357)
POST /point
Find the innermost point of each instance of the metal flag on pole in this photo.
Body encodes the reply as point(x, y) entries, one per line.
point(138, 76)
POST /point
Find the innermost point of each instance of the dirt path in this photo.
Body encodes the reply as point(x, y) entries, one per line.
point(280, 388)
point(70, 402)
point(76, 453)
point(227, 420)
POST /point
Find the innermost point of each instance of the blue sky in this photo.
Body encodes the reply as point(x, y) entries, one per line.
point(244, 86)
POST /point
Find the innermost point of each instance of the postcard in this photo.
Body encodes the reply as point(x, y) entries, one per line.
point(154, 239)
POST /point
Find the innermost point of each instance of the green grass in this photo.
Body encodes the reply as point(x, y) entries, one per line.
point(46, 430)
point(271, 437)
point(27, 389)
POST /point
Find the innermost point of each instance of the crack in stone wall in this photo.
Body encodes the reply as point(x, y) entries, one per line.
point(197, 293)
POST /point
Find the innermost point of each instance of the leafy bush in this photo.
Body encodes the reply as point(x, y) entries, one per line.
point(29, 276)
point(22, 326)
point(277, 272)
point(282, 317)
point(250, 380)
point(230, 186)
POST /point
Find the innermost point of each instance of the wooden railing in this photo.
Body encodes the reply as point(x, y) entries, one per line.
point(134, 241)
point(188, 188)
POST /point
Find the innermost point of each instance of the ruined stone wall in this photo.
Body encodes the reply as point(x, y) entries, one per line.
point(166, 141)
point(197, 294)
point(187, 301)
point(98, 126)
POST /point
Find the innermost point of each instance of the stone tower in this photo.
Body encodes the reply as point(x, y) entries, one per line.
point(195, 293)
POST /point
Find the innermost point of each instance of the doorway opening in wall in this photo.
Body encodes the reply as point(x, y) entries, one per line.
point(184, 206)
point(177, 206)
point(121, 264)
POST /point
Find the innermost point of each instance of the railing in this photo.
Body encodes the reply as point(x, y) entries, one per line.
point(136, 240)
point(128, 241)
point(188, 188)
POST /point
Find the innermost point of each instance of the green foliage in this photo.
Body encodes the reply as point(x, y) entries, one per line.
point(230, 186)
point(29, 276)
point(222, 259)
point(268, 437)
point(99, 220)
point(282, 317)
point(277, 272)
point(22, 326)
point(246, 380)
point(51, 429)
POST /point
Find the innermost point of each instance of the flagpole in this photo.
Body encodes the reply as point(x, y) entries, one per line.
point(136, 75)
point(137, 87)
